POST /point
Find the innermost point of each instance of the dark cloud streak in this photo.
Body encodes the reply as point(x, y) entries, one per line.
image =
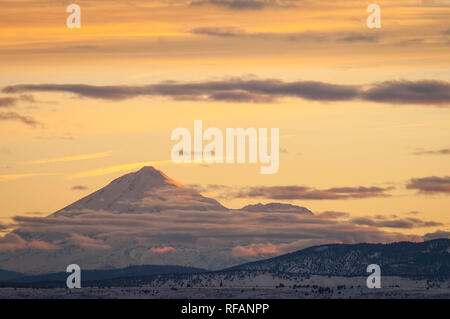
point(306, 36)
point(13, 116)
point(444, 151)
point(245, 4)
point(79, 188)
point(307, 193)
point(430, 185)
point(431, 92)
point(406, 223)
point(7, 101)
point(428, 92)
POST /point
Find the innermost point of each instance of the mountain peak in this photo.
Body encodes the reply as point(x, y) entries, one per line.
point(148, 177)
point(149, 169)
point(144, 191)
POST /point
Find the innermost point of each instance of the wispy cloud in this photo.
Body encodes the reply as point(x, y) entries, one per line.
point(293, 192)
point(13, 177)
point(444, 151)
point(221, 238)
point(307, 193)
point(219, 31)
point(246, 4)
point(162, 250)
point(426, 92)
point(7, 101)
point(436, 235)
point(256, 250)
point(117, 168)
point(234, 4)
point(12, 101)
point(81, 157)
point(359, 37)
point(304, 36)
point(13, 116)
point(430, 185)
point(431, 92)
point(79, 188)
point(12, 242)
point(405, 223)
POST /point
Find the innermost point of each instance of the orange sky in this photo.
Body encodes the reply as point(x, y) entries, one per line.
point(89, 141)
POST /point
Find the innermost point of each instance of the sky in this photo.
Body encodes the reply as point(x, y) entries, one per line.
point(363, 113)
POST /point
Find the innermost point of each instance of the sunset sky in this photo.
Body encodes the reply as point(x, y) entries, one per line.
point(364, 114)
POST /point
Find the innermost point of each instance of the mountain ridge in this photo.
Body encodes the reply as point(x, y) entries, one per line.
point(104, 274)
point(9, 275)
point(404, 265)
point(429, 258)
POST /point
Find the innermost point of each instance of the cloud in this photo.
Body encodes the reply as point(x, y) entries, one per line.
point(332, 215)
point(444, 151)
point(219, 31)
point(219, 191)
point(13, 116)
point(430, 185)
point(79, 188)
point(435, 3)
point(436, 235)
point(87, 242)
point(13, 177)
point(69, 158)
point(162, 250)
point(406, 223)
point(212, 239)
point(307, 193)
point(245, 4)
point(359, 37)
point(293, 192)
point(7, 101)
point(255, 250)
point(12, 242)
point(34, 213)
point(305, 36)
point(12, 101)
point(235, 90)
point(117, 168)
point(428, 92)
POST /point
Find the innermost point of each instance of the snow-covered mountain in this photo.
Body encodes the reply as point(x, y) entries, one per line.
point(141, 218)
point(426, 259)
point(145, 191)
point(146, 218)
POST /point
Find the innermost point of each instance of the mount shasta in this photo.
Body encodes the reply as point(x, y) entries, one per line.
point(146, 218)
